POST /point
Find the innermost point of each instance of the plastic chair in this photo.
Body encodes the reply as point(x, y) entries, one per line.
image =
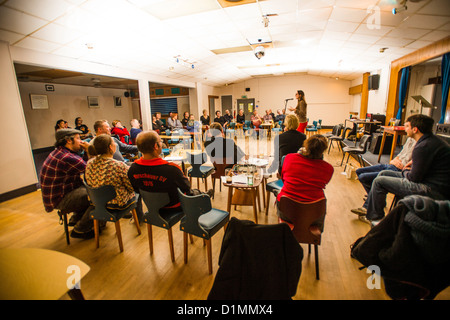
point(198, 170)
point(247, 125)
point(230, 130)
point(201, 220)
point(314, 128)
point(270, 188)
point(100, 197)
point(306, 221)
point(153, 217)
point(358, 150)
point(339, 137)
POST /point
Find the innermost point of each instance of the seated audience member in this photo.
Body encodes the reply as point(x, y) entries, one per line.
point(102, 170)
point(240, 118)
point(60, 124)
point(267, 117)
point(190, 125)
point(185, 119)
point(205, 118)
point(154, 174)
point(135, 130)
point(173, 123)
point(256, 119)
point(102, 127)
point(306, 174)
point(79, 125)
point(427, 174)
point(219, 148)
point(367, 174)
point(120, 131)
point(228, 118)
point(159, 123)
point(220, 119)
point(290, 141)
point(61, 185)
point(279, 117)
point(272, 114)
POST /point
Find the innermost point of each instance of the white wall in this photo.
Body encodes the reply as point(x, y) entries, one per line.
point(16, 163)
point(327, 98)
point(68, 102)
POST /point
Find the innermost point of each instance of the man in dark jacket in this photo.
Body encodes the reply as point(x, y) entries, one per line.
point(427, 174)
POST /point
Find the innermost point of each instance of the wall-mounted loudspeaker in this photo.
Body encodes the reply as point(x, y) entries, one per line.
point(374, 82)
point(247, 89)
point(126, 94)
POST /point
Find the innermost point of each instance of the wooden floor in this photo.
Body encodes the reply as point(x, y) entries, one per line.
point(135, 275)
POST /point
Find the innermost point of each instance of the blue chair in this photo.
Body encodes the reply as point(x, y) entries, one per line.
point(230, 130)
point(198, 170)
point(311, 129)
point(270, 188)
point(99, 198)
point(166, 151)
point(154, 201)
point(247, 125)
point(201, 220)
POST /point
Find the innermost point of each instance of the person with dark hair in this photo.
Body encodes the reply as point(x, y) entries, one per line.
point(61, 186)
point(300, 111)
point(60, 124)
point(102, 170)
point(83, 128)
point(427, 174)
point(220, 119)
point(205, 118)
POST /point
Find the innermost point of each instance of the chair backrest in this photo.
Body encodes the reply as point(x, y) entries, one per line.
point(315, 124)
point(364, 142)
point(319, 124)
point(196, 160)
point(193, 207)
point(154, 201)
point(99, 197)
point(344, 131)
point(220, 167)
point(303, 216)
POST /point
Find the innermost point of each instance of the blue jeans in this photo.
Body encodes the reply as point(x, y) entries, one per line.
point(366, 175)
point(393, 182)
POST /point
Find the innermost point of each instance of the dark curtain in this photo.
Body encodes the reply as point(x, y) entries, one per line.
point(445, 69)
point(402, 91)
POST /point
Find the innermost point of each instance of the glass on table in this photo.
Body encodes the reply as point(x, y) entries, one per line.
point(229, 175)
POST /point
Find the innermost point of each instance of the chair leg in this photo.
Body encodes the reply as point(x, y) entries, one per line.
point(267, 204)
point(185, 247)
point(343, 157)
point(214, 186)
point(136, 222)
point(119, 235)
point(206, 184)
point(66, 227)
point(208, 247)
point(316, 256)
point(96, 231)
point(172, 252)
point(348, 157)
point(150, 237)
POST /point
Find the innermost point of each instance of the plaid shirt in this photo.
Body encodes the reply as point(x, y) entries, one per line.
point(60, 174)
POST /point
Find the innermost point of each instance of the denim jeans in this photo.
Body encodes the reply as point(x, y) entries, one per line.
point(366, 175)
point(389, 181)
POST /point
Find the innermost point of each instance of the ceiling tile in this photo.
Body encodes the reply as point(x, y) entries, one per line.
point(37, 45)
point(47, 9)
point(19, 22)
point(56, 33)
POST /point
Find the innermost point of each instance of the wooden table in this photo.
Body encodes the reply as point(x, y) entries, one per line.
point(245, 195)
point(395, 131)
point(39, 274)
point(268, 126)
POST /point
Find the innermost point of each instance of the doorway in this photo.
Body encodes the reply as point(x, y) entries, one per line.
point(248, 105)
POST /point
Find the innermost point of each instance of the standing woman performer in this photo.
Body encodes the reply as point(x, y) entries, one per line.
point(300, 111)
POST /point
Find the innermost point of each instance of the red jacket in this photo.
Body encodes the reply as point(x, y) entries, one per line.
point(304, 179)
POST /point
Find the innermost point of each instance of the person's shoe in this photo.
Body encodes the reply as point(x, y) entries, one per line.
point(84, 235)
point(210, 193)
point(360, 211)
point(373, 223)
point(364, 219)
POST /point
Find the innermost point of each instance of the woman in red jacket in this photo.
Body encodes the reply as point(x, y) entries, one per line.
point(306, 174)
point(121, 132)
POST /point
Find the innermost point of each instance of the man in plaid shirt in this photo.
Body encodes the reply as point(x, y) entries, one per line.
point(61, 185)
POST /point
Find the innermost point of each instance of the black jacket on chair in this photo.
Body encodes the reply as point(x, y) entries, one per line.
point(257, 262)
point(410, 245)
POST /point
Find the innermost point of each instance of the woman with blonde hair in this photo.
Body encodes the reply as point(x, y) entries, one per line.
point(102, 170)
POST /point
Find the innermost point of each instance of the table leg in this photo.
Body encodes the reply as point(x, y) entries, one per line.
point(255, 212)
point(394, 144)
point(382, 146)
point(230, 195)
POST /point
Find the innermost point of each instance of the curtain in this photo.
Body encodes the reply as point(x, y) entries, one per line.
point(445, 70)
point(402, 91)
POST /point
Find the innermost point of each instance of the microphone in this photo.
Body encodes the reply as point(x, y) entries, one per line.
point(289, 99)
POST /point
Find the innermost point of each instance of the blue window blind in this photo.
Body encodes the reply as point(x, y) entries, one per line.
point(164, 105)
